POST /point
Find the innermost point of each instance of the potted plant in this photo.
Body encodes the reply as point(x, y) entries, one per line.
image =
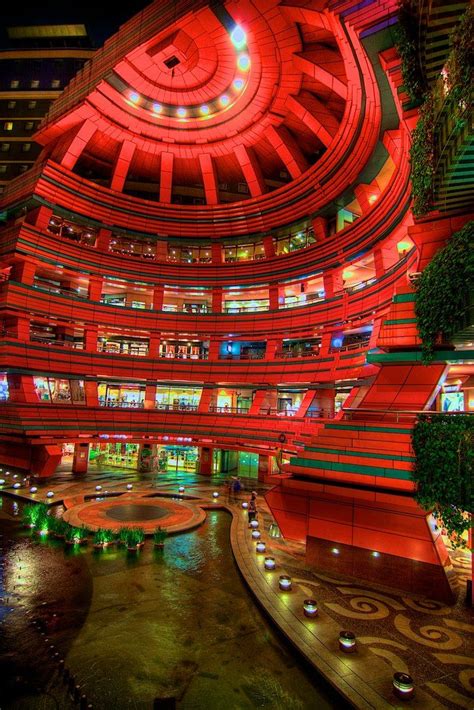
point(123, 535)
point(103, 537)
point(76, 536)
point(159, 537)
point(135, 539)
point(57, 526)
point(32, 512)
point(43, 523)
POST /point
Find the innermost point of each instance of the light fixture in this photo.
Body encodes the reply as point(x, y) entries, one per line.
point(50, 494)
point(215, 494)
point(238, 84)
point(134, 97)
point(245, 505)
point(17, 485)
point(335, 551)
point(403, 686)
point(254, 524)
point(310, 608)
point(204, 109)
point(2, 481)
point(375, 553)
point(269, 563)
point(238, 37)
point(98, 488)
point(347, 641)
point(260, 547)
point(256, 535)
point(157, 108)
point(224, 100)
point(284, 583)
point(181, 489)
point(181, 112)
point(243, 62)
point(129, 486)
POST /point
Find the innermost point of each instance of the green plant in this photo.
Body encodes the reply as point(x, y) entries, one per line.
point(422, 158)
point(123, 535)
point(444, 469)
point(57, 526)
point(406, 42)
point(458, 68)
point(444, 289)
point(32, 512)
point(103, 536)
point(159, 536)
point(134, 537)
point(76, 535)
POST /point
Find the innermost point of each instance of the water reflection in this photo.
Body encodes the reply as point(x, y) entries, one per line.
point(136, 627)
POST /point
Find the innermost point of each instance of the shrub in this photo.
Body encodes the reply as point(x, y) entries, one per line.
point(76, 535)
point(159, 536)
point(32, 512)
point(103, 536)
point(134, 537)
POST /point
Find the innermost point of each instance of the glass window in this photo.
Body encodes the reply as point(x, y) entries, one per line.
point(34, 83)
point(55, 84)
point(32, 104)
point(3, 168)
point(11, 104)
point(5, 147)
point(26, 147)
point(29, 125)
point(14, 84)
point(8, 126)
point(3, 387)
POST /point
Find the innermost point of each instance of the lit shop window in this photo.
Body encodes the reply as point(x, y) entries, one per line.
point(4, 147)
point(26, 147)
point(8, 126)
point(59, 391)
point(126, 396)
point(3, 388)
point(177, 398)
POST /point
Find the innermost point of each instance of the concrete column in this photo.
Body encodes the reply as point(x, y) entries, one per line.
point(92, 399)
point(272, 347)
point(205, 401)
point(324, 401)
point(40, 217)
point(214, 349)
point(320, 228)
point(80, 460)
point(21, 388)
point(90, 338)
point(332, 280)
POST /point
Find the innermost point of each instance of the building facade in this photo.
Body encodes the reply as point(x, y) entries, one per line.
point(211, 260)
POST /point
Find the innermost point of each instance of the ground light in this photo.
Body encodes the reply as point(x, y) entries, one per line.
point(2, 481)
point(260, 547)
point(347, 641)
point(403, 686)
point(98, 488)
point(256, 534)
point(270, 563)
point(245, 505)
point(254, 524)
point(284, 583)
point(17, 485)
point(238, 37)
point(181, 489)
point(129, 486)
point(310, 608)
point(50, 494)
point(215, 494)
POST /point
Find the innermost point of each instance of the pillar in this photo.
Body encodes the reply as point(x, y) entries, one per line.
point(92, 399)
point(158, 296)
point(205, 460)
point(216, 249)
point(40, 217)
point(153, 345)
point(23, 272)
point(18, 327)
point(90, 338)
point(217, 299)
point(214, 350)
point(379, 263)
point(103, 239)
point(95, 288)
point(324, 400)
point(80, 460)
point(205, 401)
point(150, 396)
point(272, 347)
point(264, 467)
point(21, 388)
point(269, 246)
point(332, 280)
point(320, 228)
point(273, 297)
point(45, 459)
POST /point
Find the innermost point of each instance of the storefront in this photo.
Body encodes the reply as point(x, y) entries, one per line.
point(121, 454)
point(111, 395)
point(3, 387)
point(53, 389)
point(177, 398)
point(176, 459)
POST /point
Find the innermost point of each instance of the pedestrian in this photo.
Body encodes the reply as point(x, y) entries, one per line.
point(252, 509)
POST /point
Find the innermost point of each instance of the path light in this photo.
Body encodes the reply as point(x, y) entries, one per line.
point(270, 563)
point(254, 524)
point(256, 534)
point(347, 641)
point(181, 489)
point(215, 494)
point(98, 488)
point(129, 486)
point(33, 489)
point(284, 583)
point(2, 481)
point(50, 494)
point(245, 505)
point(260, 547)
point(403, 686)
point(17, 485)
point(310, 608)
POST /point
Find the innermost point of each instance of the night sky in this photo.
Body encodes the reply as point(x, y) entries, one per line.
point(101, 19)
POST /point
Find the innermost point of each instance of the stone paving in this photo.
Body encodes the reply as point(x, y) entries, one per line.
point(394, 631)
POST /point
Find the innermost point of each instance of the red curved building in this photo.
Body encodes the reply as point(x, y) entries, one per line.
point(213, 250)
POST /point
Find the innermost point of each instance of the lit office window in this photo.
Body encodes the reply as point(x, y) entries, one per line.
point(34, 83)
point(26, 147)
point(11, 104)
point(8, 126)
point(55, 84)
point(14, 84)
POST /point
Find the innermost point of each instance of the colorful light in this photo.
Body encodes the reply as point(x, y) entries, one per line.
point(238, 37)
point(245, 505)
point(256, 534)
point(403, 686)
point(224, 100)
point(310, 608)
point(238, 84)
point(204, 110)
point(260, 547)
point(134, 97)
point(284, 583)
point(269, 563)
point(181, 112)
point(347, 641)
point(157, 108)
point(215, 494)
point(243, 62)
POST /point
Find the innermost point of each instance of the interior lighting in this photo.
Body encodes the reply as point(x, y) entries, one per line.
point(335, 551)
point(238, 84)
point(238, 37)
point(260, 547)
point(254, 524)
point(403, 686)
point(157, 108)
point(375, 553)
point(310, 608)
point(347, 641)
point(204, 109)
point(181, 112)
point(256, 534)
point(284, 583)
point(269, 563)
point(243, 62)
point(224, 100)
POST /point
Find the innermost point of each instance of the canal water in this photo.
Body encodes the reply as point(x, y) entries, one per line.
point(135, 629)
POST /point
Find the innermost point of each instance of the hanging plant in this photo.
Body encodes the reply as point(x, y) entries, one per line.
point(444, 470)
point(445, 290)
point(406, 42)
point(422, 158)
